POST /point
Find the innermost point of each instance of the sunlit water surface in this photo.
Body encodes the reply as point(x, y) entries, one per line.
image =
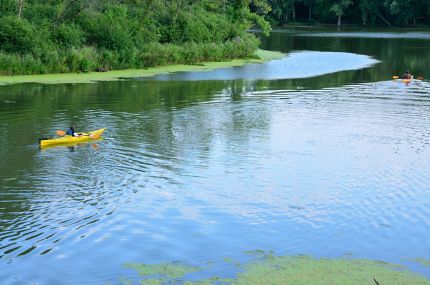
point(200, 171)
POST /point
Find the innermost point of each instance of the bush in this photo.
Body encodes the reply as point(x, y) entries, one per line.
point(156, 54)
point(16, 35)
point(80, 36)
point(69, 36)
point(14, 64)
point(85, 59)
point(8, 7)
point(107, 33)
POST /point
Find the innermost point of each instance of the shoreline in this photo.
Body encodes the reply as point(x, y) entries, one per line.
point(347, 26)
point(93, 77)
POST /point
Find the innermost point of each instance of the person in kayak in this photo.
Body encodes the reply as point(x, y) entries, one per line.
point(71, 132)
point(407, 75)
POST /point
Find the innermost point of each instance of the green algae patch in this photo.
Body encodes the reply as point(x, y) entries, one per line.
point(288, 270)
point(168, 270)
point(302, 270)
point(212, 281)
point(261, 56)
point(151, 282)
point(422, 261)
point(266, 55)
point(125, 281)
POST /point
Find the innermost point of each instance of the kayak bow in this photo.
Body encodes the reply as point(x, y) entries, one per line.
point(70, 139)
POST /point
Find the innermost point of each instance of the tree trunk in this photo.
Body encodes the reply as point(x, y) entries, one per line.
point(339, 20)
point(363, 19)
point(21, 5)
point(178, 8)
point(383, 19)
point(310, 12)
point(286, 17)
point(293, 10)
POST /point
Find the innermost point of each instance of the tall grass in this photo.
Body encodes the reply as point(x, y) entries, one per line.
point(88, 59)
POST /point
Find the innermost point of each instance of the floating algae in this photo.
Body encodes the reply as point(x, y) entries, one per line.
point(290, 270)
point(300, 270)
point(171, 270)
point(422, 261)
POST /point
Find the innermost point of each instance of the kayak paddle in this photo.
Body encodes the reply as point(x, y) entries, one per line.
point(61, 133)
point(93, 136)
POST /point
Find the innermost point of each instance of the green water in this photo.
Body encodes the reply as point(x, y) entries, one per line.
point(200, 168)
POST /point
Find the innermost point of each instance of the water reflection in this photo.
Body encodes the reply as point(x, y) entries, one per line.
point(397, 53)
point(378, 35)
point(301, 64)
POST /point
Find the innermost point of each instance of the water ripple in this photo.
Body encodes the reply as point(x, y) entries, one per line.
point(343, 168)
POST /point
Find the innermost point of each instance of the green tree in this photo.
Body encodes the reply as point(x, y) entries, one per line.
point(338, 8)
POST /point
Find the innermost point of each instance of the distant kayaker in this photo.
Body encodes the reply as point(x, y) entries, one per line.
point(407, 75)
point(71, 132)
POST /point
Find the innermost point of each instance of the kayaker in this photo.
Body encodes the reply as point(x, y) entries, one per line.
point(407, 75)
point(71, 132)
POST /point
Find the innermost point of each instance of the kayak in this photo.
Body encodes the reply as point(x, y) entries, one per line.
point(404, 80)
point(83, 137)
point(407, 80)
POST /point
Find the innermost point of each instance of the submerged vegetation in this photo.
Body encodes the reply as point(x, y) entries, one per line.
point(284, 270)
point(60, 36)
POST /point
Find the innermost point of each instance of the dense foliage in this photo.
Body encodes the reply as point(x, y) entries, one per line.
point(363, 12)
point(48, 36)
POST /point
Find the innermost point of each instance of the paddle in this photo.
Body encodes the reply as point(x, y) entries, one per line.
point(61, 133)
point(94, 136)
point(419, 77)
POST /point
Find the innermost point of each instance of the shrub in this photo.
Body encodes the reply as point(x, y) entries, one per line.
point(84, 59)
point(69, 36)
point(16, 35)
point(107, 33)
point(14, 64)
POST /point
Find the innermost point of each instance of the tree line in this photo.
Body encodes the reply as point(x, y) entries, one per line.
point(49, 36)
point(401, 13)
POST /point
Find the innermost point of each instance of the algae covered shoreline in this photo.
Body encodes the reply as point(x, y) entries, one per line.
point(261, 56)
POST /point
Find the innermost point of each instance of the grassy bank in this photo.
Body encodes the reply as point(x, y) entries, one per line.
point(259, 57)
point(89, 58)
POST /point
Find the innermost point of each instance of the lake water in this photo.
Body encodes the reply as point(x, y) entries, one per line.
point(321, 154)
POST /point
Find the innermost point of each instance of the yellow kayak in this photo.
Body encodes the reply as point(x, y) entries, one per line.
point(83, 137)
point(407, 80)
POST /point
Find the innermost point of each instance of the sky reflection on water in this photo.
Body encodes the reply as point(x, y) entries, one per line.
point(300, 64)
